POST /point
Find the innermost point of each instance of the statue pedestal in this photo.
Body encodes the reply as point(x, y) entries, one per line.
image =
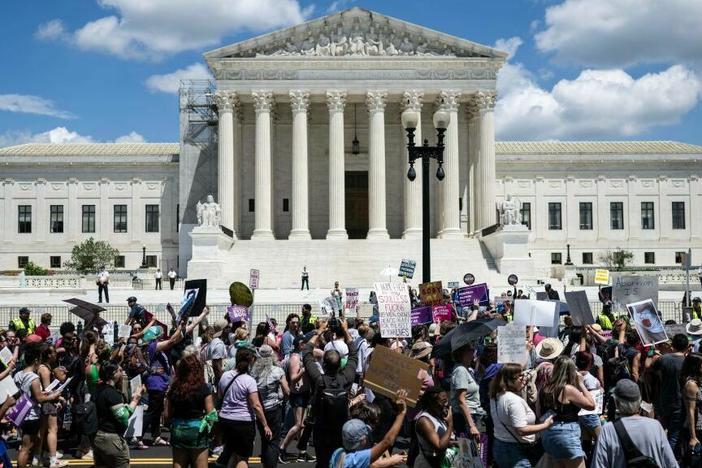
point(509, 247)
point(208, 244)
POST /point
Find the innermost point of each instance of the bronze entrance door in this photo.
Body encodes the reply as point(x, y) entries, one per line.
point(357, 204)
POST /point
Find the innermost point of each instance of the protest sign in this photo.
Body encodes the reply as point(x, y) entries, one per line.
point(431, 293)
point(511, 344)
point(469, 278)
point(198, 288)
point(240, 294)
point(598, 396)
point(351, 298)
point(108, 333)
point(135, 424)
point(541, 296)
point(675, 329)
point(148, 316)
point(421, 315)
point(453, 285)
point(389, 372)
point(394, 310)
point(477, 292)
point(441, 312)
point(134, 384)
point(330, 305)
point(539, 313)
point(407, 267)
point(7, 388)
point(647, 322)
point(124, 331)
point(601, 276)
point(627, 289)
point(238, 313)
point(579, 308)
point(254, 276)
point(6, 355)
point(89, 312)
point(512, 279)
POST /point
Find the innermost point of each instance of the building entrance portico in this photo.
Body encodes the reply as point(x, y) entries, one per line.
point(357, 204)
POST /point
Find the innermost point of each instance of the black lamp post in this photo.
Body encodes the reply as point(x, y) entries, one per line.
point(410, 119)
point(143, 257)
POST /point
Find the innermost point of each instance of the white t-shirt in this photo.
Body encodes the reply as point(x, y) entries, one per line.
point(172, 274)
point(512, 411)
point(158, 275)
point(103, 276)
point(340, 346)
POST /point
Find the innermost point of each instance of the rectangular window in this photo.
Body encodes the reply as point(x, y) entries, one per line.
point(286, 205)
point(55, 261)
point(119, 261)
point(119, 218)
point(56, 218)
point(22, 261)
point(525, 212)
point(587, 258)
point(460, 204)
point(586, 216)
point(678, 215)
point(650, 258)
point(151, 223)
point(679, 257)
point(252, 205)
point(88, 218)
point(556, 258)
point(24, 219)
point(648, 220)
point(616, 215)
point(178, 217)
point(554, 216)
point(151, 261)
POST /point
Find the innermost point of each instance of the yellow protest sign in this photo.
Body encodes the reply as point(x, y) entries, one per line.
point(601, 276)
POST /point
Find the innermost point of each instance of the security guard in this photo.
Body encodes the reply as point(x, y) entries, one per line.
point(23, 322)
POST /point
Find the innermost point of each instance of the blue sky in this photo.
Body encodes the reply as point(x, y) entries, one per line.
point(107, 70)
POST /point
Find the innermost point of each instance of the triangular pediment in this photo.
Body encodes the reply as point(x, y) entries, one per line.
point(356, 32)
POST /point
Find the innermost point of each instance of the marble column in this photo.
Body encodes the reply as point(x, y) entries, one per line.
point(263, 102)
point(336, 101)
point(486, 163)
point(299, 102)
point(473, 176)
point(236, 167)
point(225, 157)
point(450, 226)
point(413, 189)
point(377, 229)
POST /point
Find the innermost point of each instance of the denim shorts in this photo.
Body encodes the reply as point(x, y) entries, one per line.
point(562, 441)
point(510, 455)
point(590, 421)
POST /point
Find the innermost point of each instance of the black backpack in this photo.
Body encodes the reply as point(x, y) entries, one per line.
point(333, 401)
point(634, 457)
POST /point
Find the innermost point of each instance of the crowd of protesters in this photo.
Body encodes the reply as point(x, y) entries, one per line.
point(589, 395)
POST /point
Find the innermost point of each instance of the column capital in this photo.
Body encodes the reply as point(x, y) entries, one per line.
point(472, 109)
point(226, 101)
point(336, 100)
point(413, 100)
point(448, 100)
point(299, 100)
point(263, 100)
point(485, 100)
point(375, 100)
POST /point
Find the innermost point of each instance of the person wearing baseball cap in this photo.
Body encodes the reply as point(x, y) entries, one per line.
point(23, 322)
point(645, 435)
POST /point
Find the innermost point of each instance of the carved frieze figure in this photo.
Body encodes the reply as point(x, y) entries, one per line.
point(208, 213)
point(509, 211)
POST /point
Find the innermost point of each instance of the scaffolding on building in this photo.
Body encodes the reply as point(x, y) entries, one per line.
point(197, 102)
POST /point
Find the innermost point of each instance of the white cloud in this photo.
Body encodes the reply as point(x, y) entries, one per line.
point(510, 45)
point(620, 33)
point(29, 104)
point(51, 30)
point(131, 137)
point(338, 5)
point(151, 29)
point(170, 82)
point(596, 104)
point(59, 135)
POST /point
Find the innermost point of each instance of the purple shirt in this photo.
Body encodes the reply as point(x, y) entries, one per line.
point(159, 369)
point(235, 405)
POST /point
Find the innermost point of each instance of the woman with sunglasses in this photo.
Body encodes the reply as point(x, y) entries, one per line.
point(434, 428)
point(515, 423)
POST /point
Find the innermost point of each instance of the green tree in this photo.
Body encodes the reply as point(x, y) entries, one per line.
point(32, 269)
point(616, 259)
point(90, 255)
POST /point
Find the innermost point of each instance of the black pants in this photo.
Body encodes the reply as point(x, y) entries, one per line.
point(270, 448)
point(326, 440)
point(305, 282)
point(172, 281)
point(158, 283)
point(153, 415)
point(103, 287)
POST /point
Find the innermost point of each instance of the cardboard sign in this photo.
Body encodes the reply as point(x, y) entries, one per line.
point(627, 289)
point(407, 267)
point(431, 293)
point(477, 292)
point(197, 287)
point(601, 276)
point(579, 308)
point(254, 276)
point(539, 313)
point(511, 344)
point(89, 312)
point(135, 425)
point(647, 322)
point(441, 312)
point(238, 313)
point(351, 298)
point(675, 329)
point(389, 372)
point(421, 315)
point(394, 310)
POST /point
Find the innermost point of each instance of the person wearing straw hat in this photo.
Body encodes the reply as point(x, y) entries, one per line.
point(694, 332)
point(549, 349)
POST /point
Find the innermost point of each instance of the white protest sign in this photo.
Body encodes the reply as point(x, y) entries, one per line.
point(7, 387)
point(598, 396)
point(394, 310)
point(135, 425)
point(627, 289)
point(511, 344)
point(351, 298)
point(254, 277)
point(539, 313)
point(108, 333)
point(5, 355)
point(134, 384)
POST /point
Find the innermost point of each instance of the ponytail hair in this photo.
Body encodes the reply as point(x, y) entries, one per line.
point(244, 358)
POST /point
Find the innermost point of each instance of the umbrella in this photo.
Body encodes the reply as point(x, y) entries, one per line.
point(389, 272)
point(464, 334)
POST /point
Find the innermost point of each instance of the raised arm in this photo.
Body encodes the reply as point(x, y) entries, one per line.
point(387, 442)
point(197, 320)
point(170, 342)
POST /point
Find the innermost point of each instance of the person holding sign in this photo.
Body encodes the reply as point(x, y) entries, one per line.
point(49, 410)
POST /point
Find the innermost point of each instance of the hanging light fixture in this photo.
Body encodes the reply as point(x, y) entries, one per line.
point(355, 145)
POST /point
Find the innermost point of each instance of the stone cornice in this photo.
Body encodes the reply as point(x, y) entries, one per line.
point(336, 101)
point(376, 101)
